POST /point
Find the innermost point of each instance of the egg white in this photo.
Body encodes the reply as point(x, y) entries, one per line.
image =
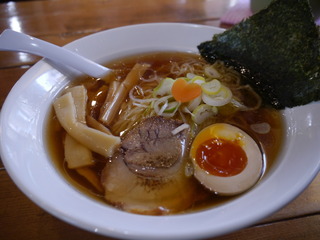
point(240, 182)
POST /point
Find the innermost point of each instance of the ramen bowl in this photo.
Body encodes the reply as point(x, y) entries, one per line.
point(25, 156)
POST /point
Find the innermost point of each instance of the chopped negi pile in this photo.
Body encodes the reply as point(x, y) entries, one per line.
point(277, 50)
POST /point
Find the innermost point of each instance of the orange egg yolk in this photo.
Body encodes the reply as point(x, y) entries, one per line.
point(221, 157)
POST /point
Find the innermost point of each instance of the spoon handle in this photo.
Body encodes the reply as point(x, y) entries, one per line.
point(15, 41)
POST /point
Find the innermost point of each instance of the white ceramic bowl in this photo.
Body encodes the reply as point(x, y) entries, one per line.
point(23, 150)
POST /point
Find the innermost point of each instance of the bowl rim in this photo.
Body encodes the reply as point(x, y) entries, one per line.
point(180, 226)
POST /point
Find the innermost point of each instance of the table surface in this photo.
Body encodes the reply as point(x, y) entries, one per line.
point(62, 21)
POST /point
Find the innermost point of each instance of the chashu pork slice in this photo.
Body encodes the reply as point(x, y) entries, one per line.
point(148, 175)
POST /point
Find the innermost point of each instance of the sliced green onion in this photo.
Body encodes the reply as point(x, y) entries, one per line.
point(211, 87)
point(190, 75)
point(180, 128)
point(203, 112)
point(185, 109)
point(159, 103)
point(163, 107)
point(172, 107)
point(164, 87)
point(198, 80)
point(222, 97)
point(194, 103)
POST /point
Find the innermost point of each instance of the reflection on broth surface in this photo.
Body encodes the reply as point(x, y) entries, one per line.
point(175, 96)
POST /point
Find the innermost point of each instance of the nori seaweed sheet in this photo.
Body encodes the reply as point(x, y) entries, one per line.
point(276, 50)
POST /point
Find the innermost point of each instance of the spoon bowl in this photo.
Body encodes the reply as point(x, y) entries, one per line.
point(16, 41)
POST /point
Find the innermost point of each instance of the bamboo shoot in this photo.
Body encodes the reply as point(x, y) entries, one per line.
point(99, 142)
point(92, 122)
point(79, 94)
point(75, 154)
point(111, 108)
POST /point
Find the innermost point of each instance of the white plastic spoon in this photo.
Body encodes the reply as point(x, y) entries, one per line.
point(15, 41)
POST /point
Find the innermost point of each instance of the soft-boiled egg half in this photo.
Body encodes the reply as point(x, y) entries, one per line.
point(226, 159)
